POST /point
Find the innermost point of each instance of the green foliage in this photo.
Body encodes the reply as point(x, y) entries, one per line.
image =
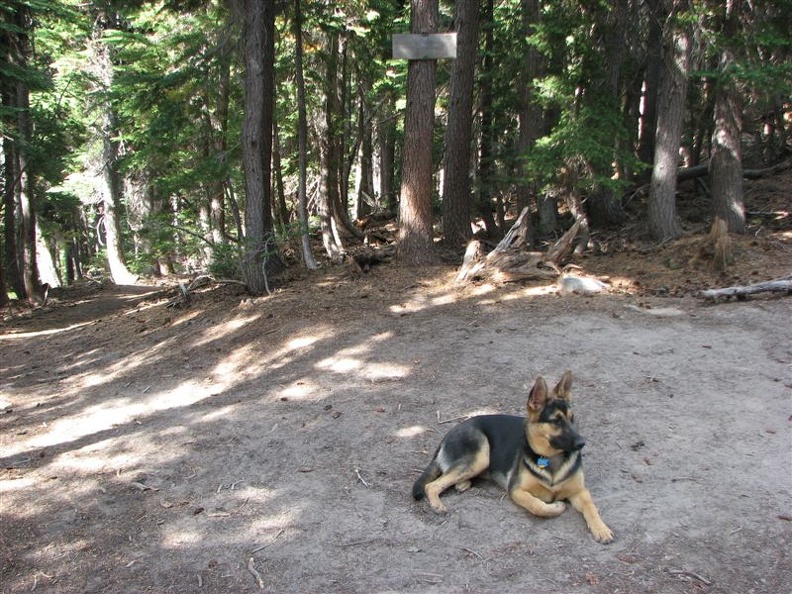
point(60, 213)
point(227, 262)
point(176, 94)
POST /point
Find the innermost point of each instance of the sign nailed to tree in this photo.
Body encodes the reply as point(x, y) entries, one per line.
point(424, 46)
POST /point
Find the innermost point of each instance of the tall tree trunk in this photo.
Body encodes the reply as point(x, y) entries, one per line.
point(530, 112)
point(663, 223)
point(25, 177)
point(651, 80)
point(261, 258)
point(3, 290)
point(330, 159)
point(217, 205)
point(365, 131)
point(344, 124)
point(486, 167)
point(386, 141)
point(302, 142)
point(725, 170)
point(604, 205)
point(459, 132)
point(108, 132)
point(416, 245)
point(10, 181)
point(7, 258)
point(282, 214)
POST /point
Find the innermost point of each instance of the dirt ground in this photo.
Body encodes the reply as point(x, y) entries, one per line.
point(244, 444)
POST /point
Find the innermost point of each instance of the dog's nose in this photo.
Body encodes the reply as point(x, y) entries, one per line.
point(579, 443)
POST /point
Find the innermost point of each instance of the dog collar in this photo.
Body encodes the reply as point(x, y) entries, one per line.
point(541, 468)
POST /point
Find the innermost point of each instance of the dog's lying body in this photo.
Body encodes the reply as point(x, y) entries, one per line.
point(535, 458)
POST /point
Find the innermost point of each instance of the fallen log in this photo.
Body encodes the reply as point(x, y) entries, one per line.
point(510, 261)
point(782, 285)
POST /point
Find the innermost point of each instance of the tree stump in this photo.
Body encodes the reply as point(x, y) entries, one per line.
point(510, 260)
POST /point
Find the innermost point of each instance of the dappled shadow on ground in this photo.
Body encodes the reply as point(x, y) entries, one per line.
point(164, 449)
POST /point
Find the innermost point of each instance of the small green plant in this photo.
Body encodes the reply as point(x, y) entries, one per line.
point(226, 262)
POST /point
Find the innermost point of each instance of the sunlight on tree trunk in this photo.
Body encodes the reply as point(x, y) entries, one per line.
point(110, 183)
point(530, 114)
point(457, 197)
point(12, 278)
point(26, 196)
point(726, 171)
point(663, 223)
point(302, 142)
point(416, 245)
point(654, 67)
point(261, 258)
point(22, 186)
point(329, 157)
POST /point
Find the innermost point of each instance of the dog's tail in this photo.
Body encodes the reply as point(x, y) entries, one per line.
point(431, 473)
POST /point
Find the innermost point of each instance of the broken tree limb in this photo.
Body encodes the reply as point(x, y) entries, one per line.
point(782, 285)
point(510, 261)
point(563, 247)
point(183, 297)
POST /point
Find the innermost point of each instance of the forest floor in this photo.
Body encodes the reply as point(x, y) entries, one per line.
point(241, 444)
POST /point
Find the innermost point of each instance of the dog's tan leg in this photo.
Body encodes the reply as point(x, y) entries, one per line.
point(583, 502)
point(535, 505)
point(456, 476)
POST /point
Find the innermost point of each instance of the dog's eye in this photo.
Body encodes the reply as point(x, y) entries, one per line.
point(558, 421)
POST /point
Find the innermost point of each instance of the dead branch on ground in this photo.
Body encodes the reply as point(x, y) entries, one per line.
point(254, 572)
point(781, 285)
point(183, 297)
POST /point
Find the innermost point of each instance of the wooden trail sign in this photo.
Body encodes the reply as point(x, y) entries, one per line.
point(424, 46)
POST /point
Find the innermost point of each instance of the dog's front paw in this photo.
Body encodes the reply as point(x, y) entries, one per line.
point(554, 509)
point(463, 486)
point(602, 534)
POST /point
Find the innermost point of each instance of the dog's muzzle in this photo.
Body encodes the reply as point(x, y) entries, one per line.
point(568, 443)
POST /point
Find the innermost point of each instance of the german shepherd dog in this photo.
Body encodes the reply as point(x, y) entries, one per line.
point(536, 459)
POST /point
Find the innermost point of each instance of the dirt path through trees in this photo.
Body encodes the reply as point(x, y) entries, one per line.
point(274, 441)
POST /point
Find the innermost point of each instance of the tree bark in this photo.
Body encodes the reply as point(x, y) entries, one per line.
point(725, 173)
point(302, 142)
point(366, 178)
point(530, 112)
point(486, 165)
point(386, 140)
point(330, 158)
point(663, 223)
point(261, 258)
point(217, 206)
point(416, 245)
point(459, 132)
point(10, 175)
point(26, 195)
point(20, 191)
point(651, 79)
point(108, 132)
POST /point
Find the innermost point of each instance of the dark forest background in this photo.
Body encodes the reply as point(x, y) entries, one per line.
point(240, 137)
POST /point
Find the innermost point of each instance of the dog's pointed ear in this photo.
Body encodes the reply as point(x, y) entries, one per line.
point(538, 395)
point(564, 387)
